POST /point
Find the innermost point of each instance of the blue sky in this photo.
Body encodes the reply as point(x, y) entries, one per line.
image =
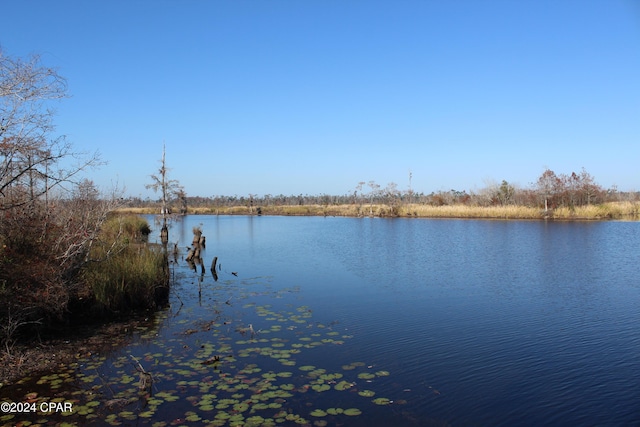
point(289, 97)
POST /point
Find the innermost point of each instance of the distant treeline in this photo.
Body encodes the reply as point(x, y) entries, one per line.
point(550, 191)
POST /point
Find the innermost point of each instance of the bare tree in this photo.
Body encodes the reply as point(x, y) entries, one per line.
point(358, 198)
point(168, 188)
point(588, 187)
point(547, 186)
point(374, 192)
point(182, 198)
point(392, 198)
point(30, 158)
point(410, 190)
point(84, 213)
point(33, 161)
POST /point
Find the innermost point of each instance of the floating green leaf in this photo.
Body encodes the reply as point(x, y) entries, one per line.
point(255, 421)
point(240, 407)
point(321, 387)
point(330, 377)
point(236, 419)
point(352, 412)
point(381, 401)
point(343, 385)
point(318, 413)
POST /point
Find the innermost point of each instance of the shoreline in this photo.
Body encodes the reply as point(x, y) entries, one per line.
point(600, 212)
point(41, 355)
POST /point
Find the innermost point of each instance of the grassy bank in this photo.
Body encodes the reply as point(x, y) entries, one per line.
point(120, 274)
point(610, 210)
point(126, 273)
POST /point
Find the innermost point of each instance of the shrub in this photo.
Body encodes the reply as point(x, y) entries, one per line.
point(59, 262)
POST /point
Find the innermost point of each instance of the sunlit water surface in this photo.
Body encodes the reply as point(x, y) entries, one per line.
point(414, 322)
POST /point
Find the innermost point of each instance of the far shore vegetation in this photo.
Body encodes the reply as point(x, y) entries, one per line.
point(576, 196)
point(608, 210)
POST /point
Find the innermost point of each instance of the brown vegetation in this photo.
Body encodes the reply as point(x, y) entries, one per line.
point(552, 196)
point(608, 210)
point(60, 252)
point(111, 274)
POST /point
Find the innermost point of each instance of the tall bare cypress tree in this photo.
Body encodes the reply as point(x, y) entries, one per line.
point(168, 188)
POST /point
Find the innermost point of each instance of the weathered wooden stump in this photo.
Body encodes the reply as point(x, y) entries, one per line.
point(164, 234)
point(214, 268)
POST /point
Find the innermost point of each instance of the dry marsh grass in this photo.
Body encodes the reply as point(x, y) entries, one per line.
point(136, 211)
point(610, 210)
point(464, 211)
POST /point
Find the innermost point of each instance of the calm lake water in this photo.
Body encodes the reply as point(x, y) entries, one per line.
point(386, 322)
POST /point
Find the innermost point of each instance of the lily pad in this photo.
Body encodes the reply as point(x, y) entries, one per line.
point(240, 407)
point(343, 385)
point(330, 377)
point(223, 416)
point(318, 413)
point(255, 421)
point(381, 401)
point(245, 377)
